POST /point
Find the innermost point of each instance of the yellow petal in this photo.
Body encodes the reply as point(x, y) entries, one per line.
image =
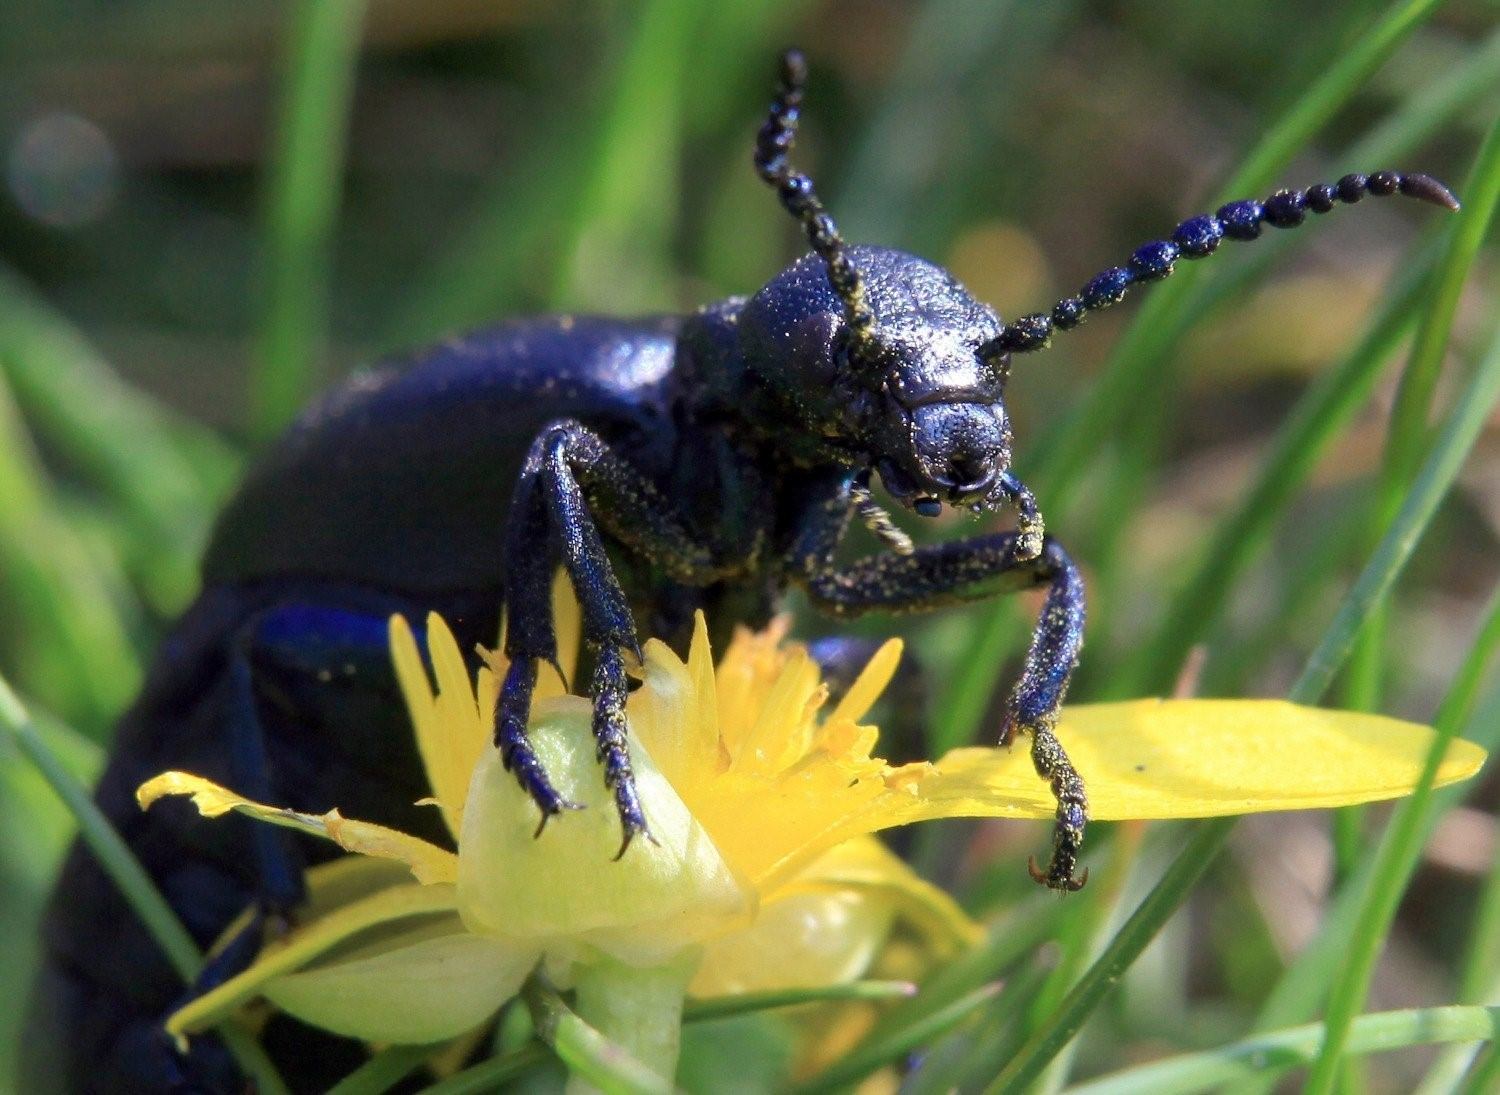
point(864, 863)
point(1149, 759)
point(448, 746)
point(802, 938)
point(701, 669)
point(415, 989)
point(870, 683)
point(567, 625)
point(428, 862)
point(1207, 758)
point(826, 925)
point(779, 735)
point(308, 942)
point(565, 887)
point(665, 716)
point(459, 733)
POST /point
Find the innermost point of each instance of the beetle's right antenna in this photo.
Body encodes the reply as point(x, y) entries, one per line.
point(773, 146)
point(1197, 237)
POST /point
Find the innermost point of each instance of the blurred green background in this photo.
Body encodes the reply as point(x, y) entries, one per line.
point(210, 211)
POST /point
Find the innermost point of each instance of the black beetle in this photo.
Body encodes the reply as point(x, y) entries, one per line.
point(667, 464)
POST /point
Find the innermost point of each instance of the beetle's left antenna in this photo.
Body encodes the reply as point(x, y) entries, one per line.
point(773, 147)
point(1198, 237)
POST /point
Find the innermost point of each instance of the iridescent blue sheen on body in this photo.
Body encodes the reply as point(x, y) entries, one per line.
point(710, 461)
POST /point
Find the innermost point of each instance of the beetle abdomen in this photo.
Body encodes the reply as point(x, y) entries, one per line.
point(401, 478)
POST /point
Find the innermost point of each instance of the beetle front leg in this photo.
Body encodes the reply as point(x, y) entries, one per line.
point(529, 639)
point(968, 570)
point(570, 476)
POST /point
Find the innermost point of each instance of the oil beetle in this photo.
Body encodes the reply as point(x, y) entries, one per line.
point(667, 464)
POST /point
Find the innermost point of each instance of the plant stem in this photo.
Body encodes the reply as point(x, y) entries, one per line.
point(637, 1009)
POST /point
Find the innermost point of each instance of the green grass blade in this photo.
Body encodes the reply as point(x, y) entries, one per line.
point(120, 863)
point(488, 1076)
point(1157, 323)
point(114, 856)
point(162, 473)
point(577, 198)
point(855, 1066)
point(721, 1007)
point(68, 601)
point(626, 207)
point(1409, 432)
point(1208, 837)
point(1328, 406)
point(1395, 861)
point(1205, 841)
point(1481, 966)
point(1162, 318)
point(973, 1053)
point(1459, 434)
point(383, 1070)
point(302, 201)
point(156, 463)
point(1413, 121)
point(1448, 1070)
point(1276, 1053)
point(1008, 942)
point(1303, 986)
point(1484, 1078)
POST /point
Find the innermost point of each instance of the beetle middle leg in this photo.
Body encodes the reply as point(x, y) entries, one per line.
point(967, 570)
point(302, 641)
point(571, 476)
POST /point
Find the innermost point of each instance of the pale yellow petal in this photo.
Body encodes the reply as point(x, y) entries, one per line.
point(416, 686)
point(665, 717)
point(307, 943)
point(340, 881)
point(412, 990)
point(828, 922)
point(804, 938)
point(779, 734)
point(566, 887)
point(461, 734)
point(864, 863)
point(447, 740)
point(1207, 758)
point(701, 669)
point(428, 862)
point(870, 683)
point(567, 624)
point(1149, 759)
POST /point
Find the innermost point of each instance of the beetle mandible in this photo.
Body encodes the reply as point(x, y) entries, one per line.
point(705, 461)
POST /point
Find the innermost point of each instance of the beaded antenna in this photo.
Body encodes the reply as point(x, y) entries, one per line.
point(1198, 237)
point(773, 148)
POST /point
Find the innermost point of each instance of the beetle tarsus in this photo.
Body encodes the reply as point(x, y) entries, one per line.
point(516, 753)
point(1053, 765)
point(1056, 878)
point(613, 748)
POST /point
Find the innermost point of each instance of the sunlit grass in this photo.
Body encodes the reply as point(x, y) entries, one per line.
point(600, 204)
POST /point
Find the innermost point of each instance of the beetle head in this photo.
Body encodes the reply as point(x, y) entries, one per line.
point(875, 353)
point(910, 397)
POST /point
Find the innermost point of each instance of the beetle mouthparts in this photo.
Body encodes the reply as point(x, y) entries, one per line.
point(927, 507)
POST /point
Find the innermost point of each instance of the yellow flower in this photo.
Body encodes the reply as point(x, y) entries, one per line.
point(763, 873)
